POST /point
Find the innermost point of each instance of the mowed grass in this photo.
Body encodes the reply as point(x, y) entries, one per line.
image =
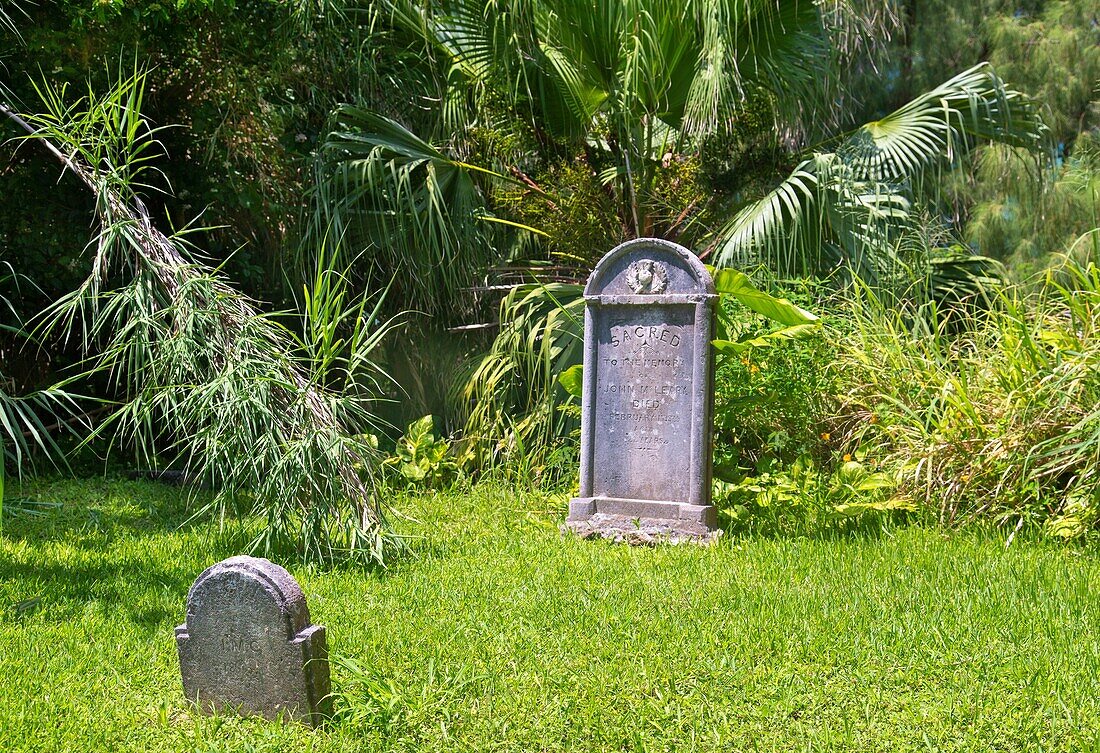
point(499, 634)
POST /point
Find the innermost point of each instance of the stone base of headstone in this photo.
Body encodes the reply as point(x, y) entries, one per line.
point(642, 522)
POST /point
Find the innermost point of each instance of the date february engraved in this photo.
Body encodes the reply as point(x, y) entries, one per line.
point(652, 418)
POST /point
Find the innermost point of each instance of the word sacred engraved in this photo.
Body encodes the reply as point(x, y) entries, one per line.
point(647, 408)
point(641, 336)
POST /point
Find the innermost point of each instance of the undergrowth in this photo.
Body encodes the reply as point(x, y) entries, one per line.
point(995, 417)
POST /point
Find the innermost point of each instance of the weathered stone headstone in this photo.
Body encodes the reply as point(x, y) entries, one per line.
point(647, 396)
point(248, 647)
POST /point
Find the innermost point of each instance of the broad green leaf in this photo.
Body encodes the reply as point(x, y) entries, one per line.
point(413, 472)
point(874, 482)
point(572, 379)
point(737, 347)
point(855, 508)
point(420, 429)
point(738, 286)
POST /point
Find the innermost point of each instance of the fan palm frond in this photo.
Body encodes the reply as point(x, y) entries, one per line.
point(943, 124)
point(622, 76)
point(849, 207)
point(409, 210)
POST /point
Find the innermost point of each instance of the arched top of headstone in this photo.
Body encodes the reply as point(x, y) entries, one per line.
point(249, 584)
point(649, 266)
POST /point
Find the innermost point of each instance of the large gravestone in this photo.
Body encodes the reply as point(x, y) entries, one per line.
point(647, 396)
point(248, 647)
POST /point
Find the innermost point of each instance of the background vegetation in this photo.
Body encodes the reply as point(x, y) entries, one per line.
point(908, 170)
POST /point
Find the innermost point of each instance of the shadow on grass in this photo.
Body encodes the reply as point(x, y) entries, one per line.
point(128, 546)
point(137, 591)
point(52, 510)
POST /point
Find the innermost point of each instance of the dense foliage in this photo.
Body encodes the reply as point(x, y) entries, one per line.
point(466, 163)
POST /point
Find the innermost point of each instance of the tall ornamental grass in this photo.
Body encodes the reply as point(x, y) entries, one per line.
point(272, 410)
point(991, 414)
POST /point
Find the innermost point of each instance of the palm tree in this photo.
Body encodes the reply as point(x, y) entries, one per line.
point(623, 84)
point(852, 207)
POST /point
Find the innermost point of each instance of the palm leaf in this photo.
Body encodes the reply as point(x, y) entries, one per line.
point(540, 341)
point(942, 124)
point(851, 207)
point(385, 191)
point(779, 224)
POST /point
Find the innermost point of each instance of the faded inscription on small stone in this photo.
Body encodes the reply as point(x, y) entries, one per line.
point(248, 646)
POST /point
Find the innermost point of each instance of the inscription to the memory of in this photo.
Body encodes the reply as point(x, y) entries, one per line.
point(642, 381)
point(645, 426)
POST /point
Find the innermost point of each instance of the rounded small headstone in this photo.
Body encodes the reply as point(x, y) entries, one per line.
point(248, 646)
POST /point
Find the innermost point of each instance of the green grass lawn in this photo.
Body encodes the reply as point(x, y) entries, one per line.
point(500, 634)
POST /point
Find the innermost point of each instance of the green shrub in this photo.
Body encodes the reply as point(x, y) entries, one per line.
point(774, 404)
point(804, 497)
point(998, 422)
point(423, 459)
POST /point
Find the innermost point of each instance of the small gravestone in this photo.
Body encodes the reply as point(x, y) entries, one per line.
point(647, 397)
point(248, 647)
